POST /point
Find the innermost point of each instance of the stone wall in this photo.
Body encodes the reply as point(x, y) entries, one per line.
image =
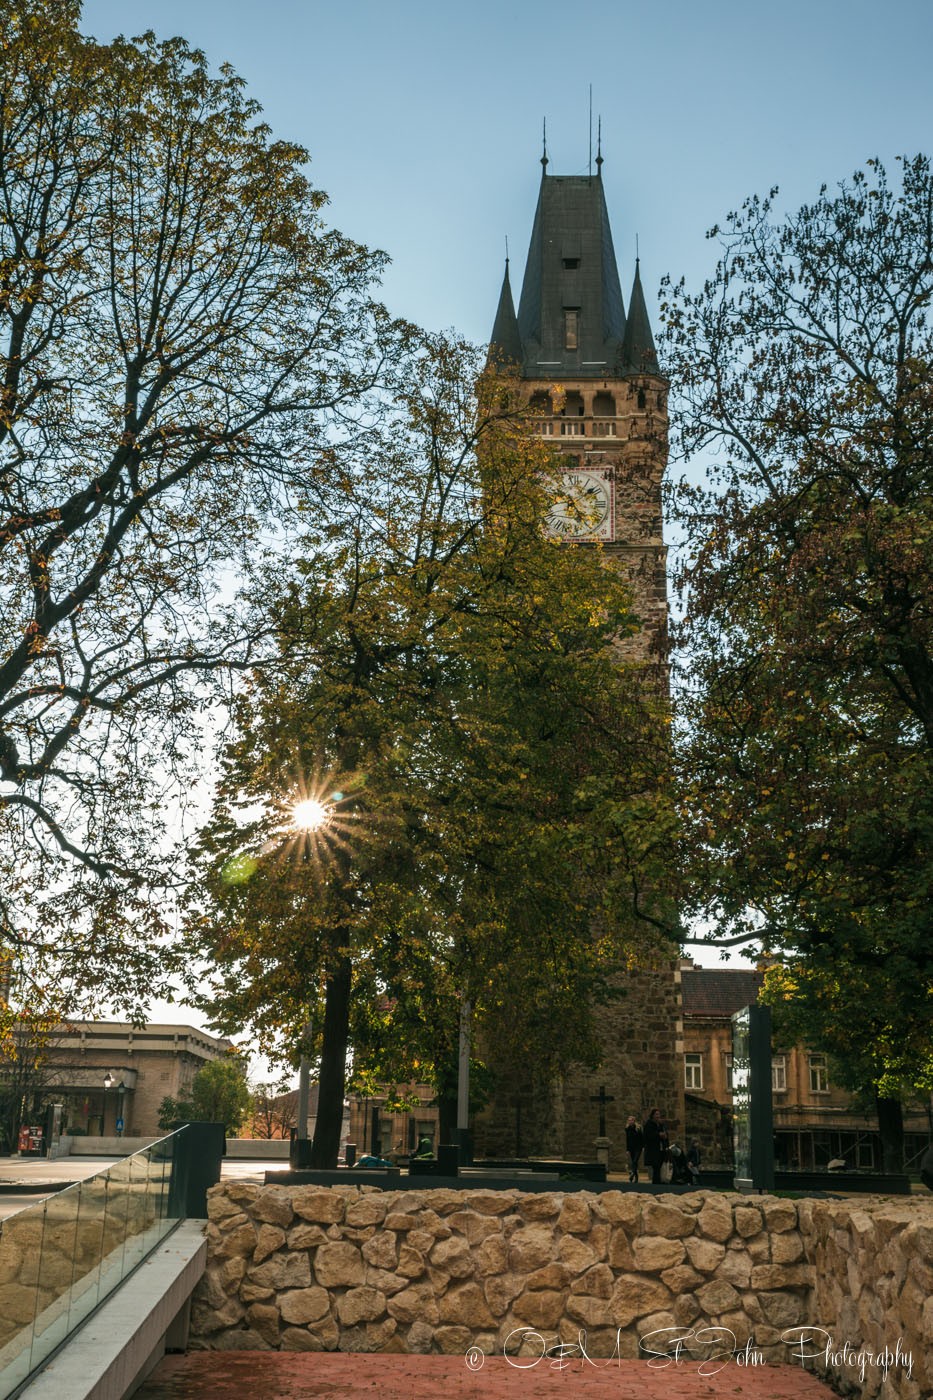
point(359, 1269)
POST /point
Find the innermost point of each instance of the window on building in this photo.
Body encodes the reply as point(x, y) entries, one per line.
point(819, 1075)
point(570, 264)
point(571, 329)
point(727, 1061)
point(693, 1071)
point(641, 398)
point(778, 1074)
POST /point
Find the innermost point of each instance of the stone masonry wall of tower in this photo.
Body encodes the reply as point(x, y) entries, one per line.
point(592, 378)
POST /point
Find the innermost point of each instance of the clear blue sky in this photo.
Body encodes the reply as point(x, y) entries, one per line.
point(423, 120)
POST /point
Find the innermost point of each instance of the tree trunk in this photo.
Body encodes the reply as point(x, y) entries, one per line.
point(326, 1144)
point(891, 1128)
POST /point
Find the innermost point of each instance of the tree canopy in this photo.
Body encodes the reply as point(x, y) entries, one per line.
point(219, 1094)
point(448, 687)
point(181, 335)
point(805, 373)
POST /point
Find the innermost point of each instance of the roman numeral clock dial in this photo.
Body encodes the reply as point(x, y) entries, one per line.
point(581, 505)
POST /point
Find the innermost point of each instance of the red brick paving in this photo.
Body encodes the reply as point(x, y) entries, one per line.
point(277, 1375)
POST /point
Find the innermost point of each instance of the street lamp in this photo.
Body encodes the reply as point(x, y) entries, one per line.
point(108, 1084)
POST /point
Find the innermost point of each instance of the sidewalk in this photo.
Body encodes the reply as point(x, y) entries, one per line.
point(276, 1375)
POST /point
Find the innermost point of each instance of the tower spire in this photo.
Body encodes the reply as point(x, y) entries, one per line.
point(599, 148)
point(544, 161)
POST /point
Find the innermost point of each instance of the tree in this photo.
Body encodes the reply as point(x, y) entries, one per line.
point(219, 1094)
point(180, 334)
point(272, 1111)
point(804, 368)
point(447, 687)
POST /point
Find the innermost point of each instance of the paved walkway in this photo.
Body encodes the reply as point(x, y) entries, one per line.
point(276, 1375)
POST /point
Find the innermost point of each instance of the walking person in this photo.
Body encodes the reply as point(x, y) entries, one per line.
point(634, 1141)
point(655, 1140)
point(693, 1160)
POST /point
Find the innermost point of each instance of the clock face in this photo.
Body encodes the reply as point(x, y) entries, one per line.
point(581, 505)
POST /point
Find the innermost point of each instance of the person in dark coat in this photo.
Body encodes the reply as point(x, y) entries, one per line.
point(693, 1160)
point(634, 1141)
point(655, 1139)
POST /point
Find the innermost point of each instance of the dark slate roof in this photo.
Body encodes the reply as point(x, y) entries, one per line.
point(571, 225)
point(638, 352)
point(711, 991)
point(505, 345)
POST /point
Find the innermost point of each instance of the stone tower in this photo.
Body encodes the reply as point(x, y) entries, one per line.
point(591, 373)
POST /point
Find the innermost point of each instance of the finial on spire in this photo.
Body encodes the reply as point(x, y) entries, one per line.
point(637, 259)
point(506, 252)
point(599, 147)
point(544, 144)
point(590, 166)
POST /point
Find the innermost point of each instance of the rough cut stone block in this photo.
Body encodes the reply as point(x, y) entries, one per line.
point(780, 1215)
point(411, 1262)
point(747, 1221)
point(590, 1311)
point(531, 1248)
point(576, 1253)
point(320, 1206)
point(718, 1297)
point(466, 1304)
point(453, 1256)
point(782, 1309)
point(704, 1255)
point(540, 1207)
point(653, 1254)
point(264, 1319)
point(781, 1276)
point(540, 1309)
point(415, 1304)
point(304, 1305)
point(597, 1282)
point(635, 1295)
point(338, 1264)
point(382, 1250)
point(667, 1221)
point(273, 1206)
point(269, 1238)
point(786, 1248)
point(368, 1210)
point(297, 1339)
point(555, 1275)
point(492, 1257)
point(282, 1271)
point(453, 1341)
point(622, 1208)
point(306, 1237)
point(361, 1305)
point(500, 1291)
point(715, 1222)
point(575, 1217)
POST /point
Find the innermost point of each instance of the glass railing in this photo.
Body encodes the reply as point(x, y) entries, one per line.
point(62, 1257)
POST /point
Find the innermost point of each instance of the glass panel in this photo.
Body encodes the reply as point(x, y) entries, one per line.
point(20, 1248)
point(60, 1259)
point(89, 1238)
point(55, 1274)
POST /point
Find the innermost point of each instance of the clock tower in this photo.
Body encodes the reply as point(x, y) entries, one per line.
point(591, 376)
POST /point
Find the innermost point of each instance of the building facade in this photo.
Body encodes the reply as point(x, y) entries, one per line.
point(106, 1073)
point(816, 1120)
point(589, 371)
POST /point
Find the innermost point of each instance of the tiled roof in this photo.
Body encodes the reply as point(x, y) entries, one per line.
point(709, 991)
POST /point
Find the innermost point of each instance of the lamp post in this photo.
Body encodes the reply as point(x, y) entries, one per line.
point(108, 1084)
